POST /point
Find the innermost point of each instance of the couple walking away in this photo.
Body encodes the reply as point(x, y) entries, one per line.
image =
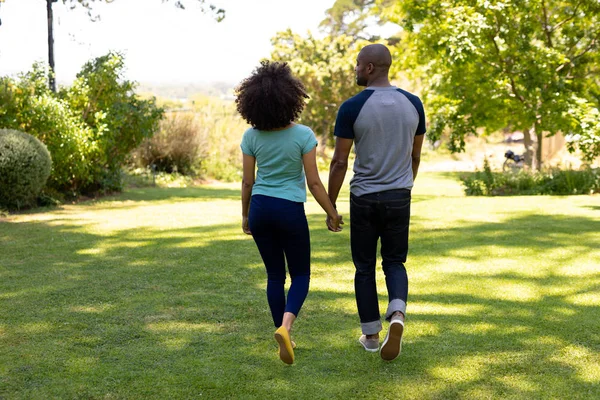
point(387, 126)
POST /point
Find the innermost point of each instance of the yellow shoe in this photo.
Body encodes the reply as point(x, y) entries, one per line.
point(286, 352)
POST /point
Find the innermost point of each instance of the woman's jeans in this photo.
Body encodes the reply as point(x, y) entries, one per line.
point(280, 230)
point(384, 215)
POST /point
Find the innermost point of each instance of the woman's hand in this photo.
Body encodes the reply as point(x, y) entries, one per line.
point(334, 224)
point(246, 226)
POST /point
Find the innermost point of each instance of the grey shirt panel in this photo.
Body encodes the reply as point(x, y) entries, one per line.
point(384, 133)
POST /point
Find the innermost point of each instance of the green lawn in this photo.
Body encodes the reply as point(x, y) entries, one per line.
point(157, 294)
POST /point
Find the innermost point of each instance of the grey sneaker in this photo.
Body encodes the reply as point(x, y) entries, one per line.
point(392, 345)
point(371, 345)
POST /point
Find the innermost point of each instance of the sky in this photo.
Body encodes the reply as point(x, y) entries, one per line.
point(162, 44)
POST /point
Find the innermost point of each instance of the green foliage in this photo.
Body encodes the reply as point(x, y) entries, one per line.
point(218, 13)
point(117, 117)
point(326, 67)
point(25, 165)
point(585, 133)
point(89, 128)
point(203, 141)
point(27, 104)
point(224, 128)
point(180, 145)
point(504, 63)
point(547, 182)
point(348, 17)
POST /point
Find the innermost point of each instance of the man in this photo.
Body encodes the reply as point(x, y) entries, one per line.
point(387, 125)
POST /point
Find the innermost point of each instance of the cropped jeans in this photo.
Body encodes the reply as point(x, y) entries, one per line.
point(384, 215)
point(280, 231)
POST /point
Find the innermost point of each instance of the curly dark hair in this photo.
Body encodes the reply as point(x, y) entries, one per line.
point(270, 98)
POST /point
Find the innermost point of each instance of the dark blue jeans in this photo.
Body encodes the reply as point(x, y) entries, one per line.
point(280, 231)
point(384, 215)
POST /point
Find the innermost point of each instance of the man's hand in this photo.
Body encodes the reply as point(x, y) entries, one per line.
point(334, 224)
point(245, 226)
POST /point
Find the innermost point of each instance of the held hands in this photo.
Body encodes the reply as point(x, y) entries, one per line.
point(246, 226)
point(334, 224)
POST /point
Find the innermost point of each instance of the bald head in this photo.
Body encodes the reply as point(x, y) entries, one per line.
point(373, 66)
point(377, 54)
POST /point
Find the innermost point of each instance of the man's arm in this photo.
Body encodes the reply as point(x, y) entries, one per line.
point(338, 167)
point(416, 154)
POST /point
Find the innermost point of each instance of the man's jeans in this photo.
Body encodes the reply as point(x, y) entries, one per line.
point(384, 215)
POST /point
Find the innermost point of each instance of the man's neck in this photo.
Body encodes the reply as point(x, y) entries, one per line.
point(380, 82)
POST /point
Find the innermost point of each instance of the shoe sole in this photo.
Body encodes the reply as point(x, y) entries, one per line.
point(392, 345)
point(287, 356)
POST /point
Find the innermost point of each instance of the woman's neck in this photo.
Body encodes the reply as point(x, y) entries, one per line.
point(283, 128)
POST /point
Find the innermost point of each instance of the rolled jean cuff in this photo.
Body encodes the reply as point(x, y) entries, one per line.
point(395, 305)
point(371, 328)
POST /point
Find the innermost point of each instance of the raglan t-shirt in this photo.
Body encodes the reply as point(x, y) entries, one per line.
point(278, 154)
point(383, 122)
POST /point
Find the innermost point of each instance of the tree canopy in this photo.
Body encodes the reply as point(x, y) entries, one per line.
point(531, 65)
point(326, 67)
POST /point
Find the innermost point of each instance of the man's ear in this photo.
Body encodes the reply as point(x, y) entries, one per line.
point(370, 68)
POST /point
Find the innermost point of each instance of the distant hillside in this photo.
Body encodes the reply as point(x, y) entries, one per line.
point(185, 91)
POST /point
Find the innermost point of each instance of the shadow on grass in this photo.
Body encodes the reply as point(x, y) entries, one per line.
point(182, 313)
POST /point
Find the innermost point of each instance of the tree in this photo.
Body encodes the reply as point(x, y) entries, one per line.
point(218, 13)
point(326, 67)
point(348, 17)
point(532, 65)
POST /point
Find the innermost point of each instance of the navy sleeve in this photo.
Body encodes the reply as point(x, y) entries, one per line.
point(416, 102)
point(348, 113)
point(344, 123)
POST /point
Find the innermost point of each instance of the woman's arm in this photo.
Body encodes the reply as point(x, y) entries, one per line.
point(318, 190)
point(249, 164)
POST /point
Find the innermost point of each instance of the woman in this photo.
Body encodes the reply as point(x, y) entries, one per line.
point(270, 100)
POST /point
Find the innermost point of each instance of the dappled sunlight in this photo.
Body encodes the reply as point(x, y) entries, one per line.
point(445, 309)
point(503, 305)
point(519, 383)
point(420, 329)
point(515, 292)
point(91, 252)
point(585, 361)
point(92, 309)
point(35, 327)
point(183, 327)
point(480, 328)
point(175, 343)
point(466, 369)
point(81, 364)
point(585, 299)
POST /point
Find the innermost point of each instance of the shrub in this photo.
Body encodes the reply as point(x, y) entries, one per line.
point(549, 182)
point(117, 117)
point(24, 168)
point(225, 129)
point(219, 131)
point(28, 105)
point(566, 182)
point(179, 146)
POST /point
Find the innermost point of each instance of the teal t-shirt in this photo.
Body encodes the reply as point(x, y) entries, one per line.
point(278, 157)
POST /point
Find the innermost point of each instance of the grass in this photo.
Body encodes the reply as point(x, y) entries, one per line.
point(157, 293)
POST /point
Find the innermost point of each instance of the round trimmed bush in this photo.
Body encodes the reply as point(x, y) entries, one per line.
point(25, 165)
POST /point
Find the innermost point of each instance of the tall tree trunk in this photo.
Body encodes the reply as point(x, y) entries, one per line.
point(538, 150)
point(528, 147)
point(51, 74)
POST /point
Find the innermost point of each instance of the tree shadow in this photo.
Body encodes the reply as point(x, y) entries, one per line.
point(185, 310)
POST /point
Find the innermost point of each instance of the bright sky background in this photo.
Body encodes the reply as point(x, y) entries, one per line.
point(162, 44)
